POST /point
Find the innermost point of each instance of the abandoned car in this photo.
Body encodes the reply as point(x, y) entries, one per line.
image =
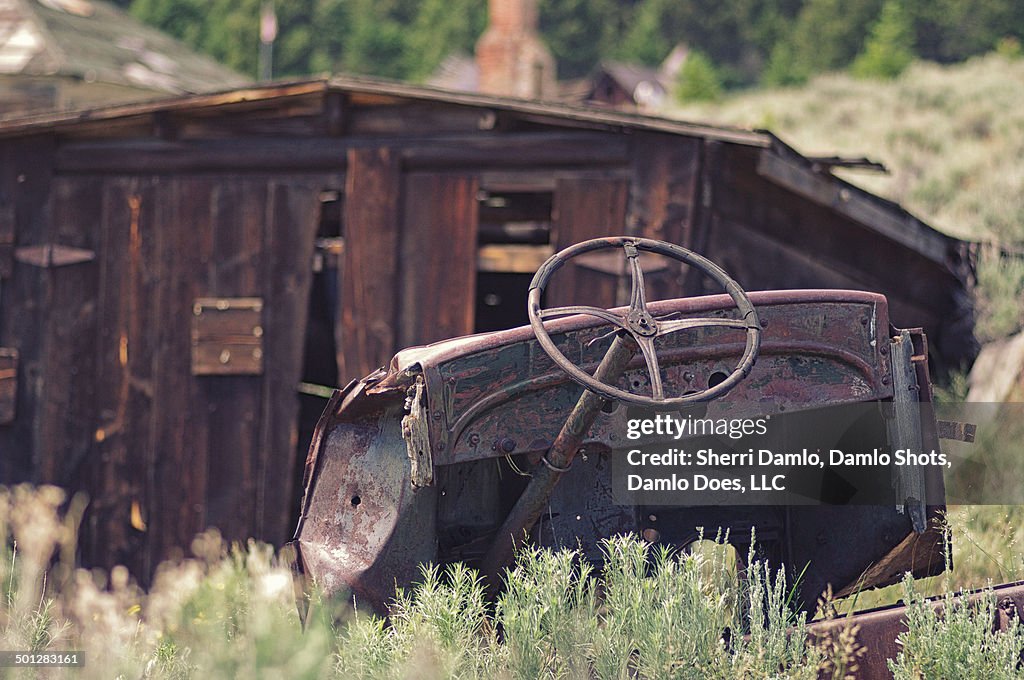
point(464, 449)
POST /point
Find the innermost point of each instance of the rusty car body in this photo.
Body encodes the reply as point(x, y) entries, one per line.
point(428, 459)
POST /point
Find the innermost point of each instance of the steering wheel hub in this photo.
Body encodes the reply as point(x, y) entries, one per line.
point(642, 323)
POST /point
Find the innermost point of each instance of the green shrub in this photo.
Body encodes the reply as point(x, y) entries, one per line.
point(698, 80)
point(953, 638)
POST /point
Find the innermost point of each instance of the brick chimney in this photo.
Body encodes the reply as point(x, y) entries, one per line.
point(510, 55)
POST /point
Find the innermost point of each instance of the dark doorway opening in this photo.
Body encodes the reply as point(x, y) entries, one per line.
point(319, 363)
point(514, 239)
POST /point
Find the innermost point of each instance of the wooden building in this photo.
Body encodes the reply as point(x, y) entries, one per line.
point(173, 274)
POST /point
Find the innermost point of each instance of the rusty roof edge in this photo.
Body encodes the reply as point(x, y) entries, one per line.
point(734, 135)
point(355, 84)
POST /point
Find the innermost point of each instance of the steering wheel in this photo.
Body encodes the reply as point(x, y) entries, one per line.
point(638, 322)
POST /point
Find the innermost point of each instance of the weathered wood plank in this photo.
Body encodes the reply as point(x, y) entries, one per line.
point(68, 413)
point(8, 384)
point(290, 236)
point(663, 200)
point(180, 428)
point(586, 209)
point(234, 270)
point(7, 223)
point(317, 154)
point(438, 263)
point(365, 337)
point(124, 398)
point(25, 176)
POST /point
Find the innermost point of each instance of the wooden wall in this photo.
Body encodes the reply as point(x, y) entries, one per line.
point(111, 405)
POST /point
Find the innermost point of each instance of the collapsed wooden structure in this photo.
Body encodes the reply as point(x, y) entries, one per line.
point(171, 272)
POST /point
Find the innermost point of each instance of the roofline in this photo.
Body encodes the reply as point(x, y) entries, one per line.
point(284, 89)
point(550, 112)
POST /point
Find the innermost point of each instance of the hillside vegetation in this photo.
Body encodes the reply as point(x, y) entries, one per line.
point(952, 138)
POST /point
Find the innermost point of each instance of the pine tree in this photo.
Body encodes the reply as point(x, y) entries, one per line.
point(889, 48)
point(698, 80)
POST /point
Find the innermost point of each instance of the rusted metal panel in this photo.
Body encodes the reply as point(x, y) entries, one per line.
point(832, 329)
point(875, 632)
point(586, 209)
point(227, 336)
point(438, 257)
point(8, 384)
point(365, 335)
point(494, 396)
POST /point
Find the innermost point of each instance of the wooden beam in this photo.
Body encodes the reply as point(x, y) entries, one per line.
point(365, 331)
point(310, 154)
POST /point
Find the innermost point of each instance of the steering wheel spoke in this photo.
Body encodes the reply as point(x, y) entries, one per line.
point(637, 296)
point(569, 310)
point(653, 367)
point(676, 325)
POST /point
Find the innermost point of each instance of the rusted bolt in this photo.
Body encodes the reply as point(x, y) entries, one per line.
point(764, 323)
point(438, 415)
point(652, 535)
point(507, 445)
point(653, 518)
point(474, 439)
point(225, 356)
point(863, 321)
point(885, 380)
point(688, 376)
point(885, 350)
